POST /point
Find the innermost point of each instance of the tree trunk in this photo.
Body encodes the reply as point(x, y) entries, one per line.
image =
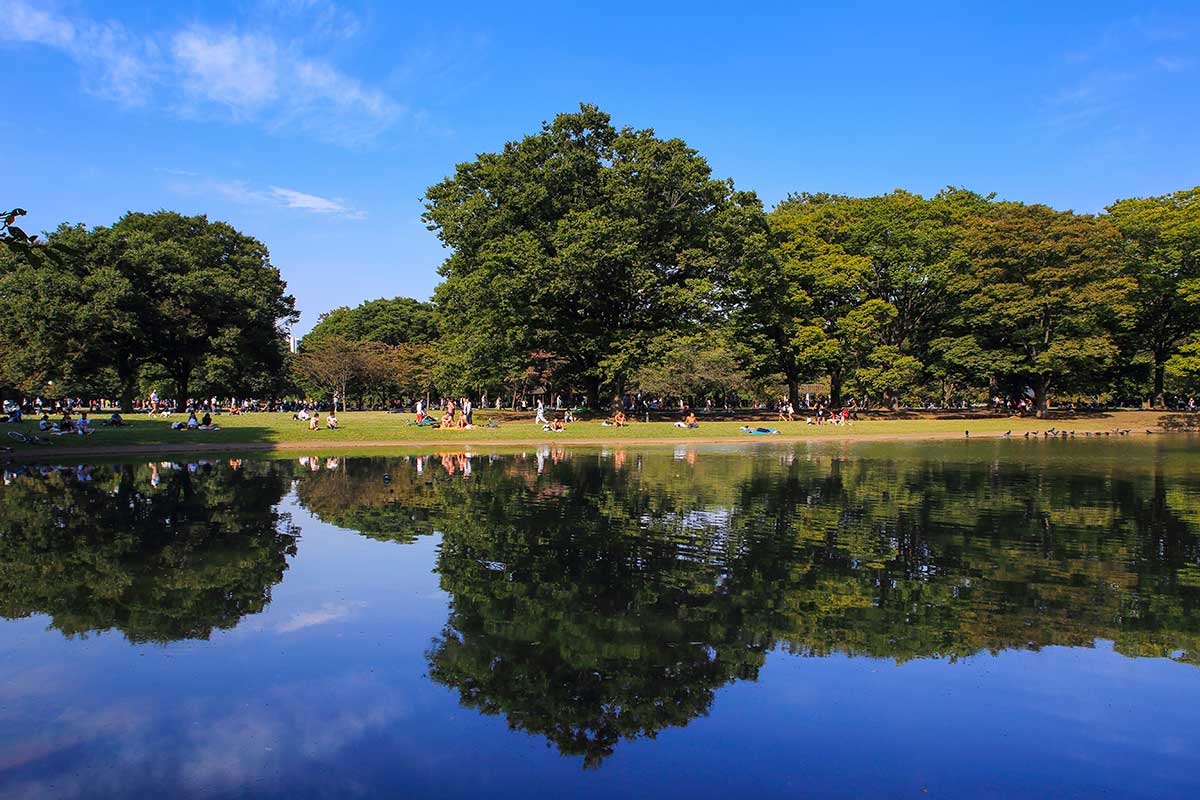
point(1041, 396)
point(1158, 400)
point(181, 387)
point(793, 391)
point(593, 393)
point(127, 375)
point(127, 394)
point(835, 389)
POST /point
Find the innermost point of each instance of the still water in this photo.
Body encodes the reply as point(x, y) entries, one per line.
point(953, 619)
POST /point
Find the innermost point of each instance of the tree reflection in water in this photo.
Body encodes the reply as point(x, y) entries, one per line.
point(159, 552)
point(604, 596)
point(601, 597)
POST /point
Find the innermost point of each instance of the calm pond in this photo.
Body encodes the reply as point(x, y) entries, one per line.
point(945, 619)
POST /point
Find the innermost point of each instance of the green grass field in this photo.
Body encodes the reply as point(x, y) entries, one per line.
point(379, 429)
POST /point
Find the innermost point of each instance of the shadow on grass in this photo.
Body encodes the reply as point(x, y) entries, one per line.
point(139, 430)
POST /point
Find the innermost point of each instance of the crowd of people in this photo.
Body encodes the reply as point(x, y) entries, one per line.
point(80, 417)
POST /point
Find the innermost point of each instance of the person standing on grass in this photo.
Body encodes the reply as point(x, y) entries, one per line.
point(540, 419)
point(467, 410)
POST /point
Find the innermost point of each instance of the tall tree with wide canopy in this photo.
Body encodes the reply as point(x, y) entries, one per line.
point(67, 318)
point(201, 290)
point(582, 240)
point(185, 295)
point(1043, 294)
point(1162, 255)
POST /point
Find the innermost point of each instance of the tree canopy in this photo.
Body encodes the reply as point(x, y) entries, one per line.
point(595, 260)
point(584, 241)
point(154, 295)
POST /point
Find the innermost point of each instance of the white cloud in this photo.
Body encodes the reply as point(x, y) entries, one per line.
point(114, 64)
point(329, 612)
point(1172, 63)
point(205, 72)
point(242, 193)
point(323, 19)
point(241, 72)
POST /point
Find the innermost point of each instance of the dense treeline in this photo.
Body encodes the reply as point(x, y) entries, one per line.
point(617, 253)
point(597, 262)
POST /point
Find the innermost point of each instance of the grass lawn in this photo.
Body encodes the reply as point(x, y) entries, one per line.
point(379, 429)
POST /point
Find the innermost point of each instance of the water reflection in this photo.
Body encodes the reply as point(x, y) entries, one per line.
point(602, 596)
point(160, 552)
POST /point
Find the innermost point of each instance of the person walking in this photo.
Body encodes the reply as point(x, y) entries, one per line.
point(540, 419)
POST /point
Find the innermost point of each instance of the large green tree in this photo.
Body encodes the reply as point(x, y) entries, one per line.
point(65, 318)
point(1043, 296)
point(1161, 250)
point(182, 295)
point(582, 240)
point(203, 291)
point(856, 288)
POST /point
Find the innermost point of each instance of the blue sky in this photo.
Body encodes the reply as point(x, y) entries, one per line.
point(316, 125)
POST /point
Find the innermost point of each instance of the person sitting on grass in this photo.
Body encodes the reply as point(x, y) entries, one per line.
point(192, 422)
point(568, 416)
point(331, 421)
point(44, 424)
point(82, 426)
point(689, 421)
point(314, 424)
point(554, 426)
point(301, 415)
point(447, 420)
point(619, 419)
point(758, 431)
point(115, 421)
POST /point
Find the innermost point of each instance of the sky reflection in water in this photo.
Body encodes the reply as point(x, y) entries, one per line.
point(986, 619)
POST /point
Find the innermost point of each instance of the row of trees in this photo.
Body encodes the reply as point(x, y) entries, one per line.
point(596, 261)
point(617, 252)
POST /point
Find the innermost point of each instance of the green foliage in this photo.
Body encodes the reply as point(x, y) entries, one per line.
point(583, 241)
point(183, 295)
point(692, 367)
point(1183, 369)
point(854, 284)
point(158, 554)
point(400, 320)
point(371, 371)
point(1042, 295)
point(1161, 253)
